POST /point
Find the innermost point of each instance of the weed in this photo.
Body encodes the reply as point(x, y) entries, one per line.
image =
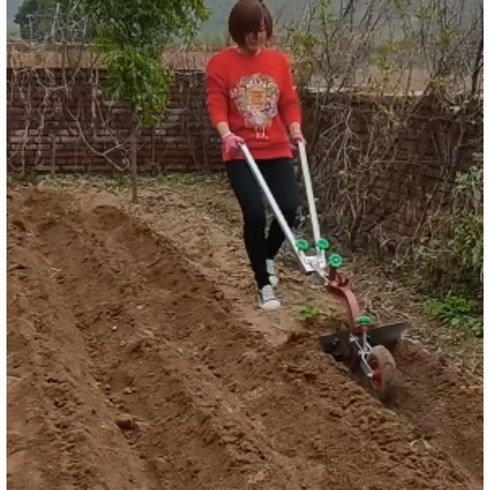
point(456, 312)
point(310, 313)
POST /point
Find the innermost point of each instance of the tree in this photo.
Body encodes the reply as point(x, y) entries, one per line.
point(130, 36)
point(51, 21)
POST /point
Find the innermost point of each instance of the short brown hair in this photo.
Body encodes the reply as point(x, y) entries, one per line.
point(246, 17)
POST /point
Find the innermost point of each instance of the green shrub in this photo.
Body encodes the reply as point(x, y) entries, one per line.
point(450, 255)
point(456, 312)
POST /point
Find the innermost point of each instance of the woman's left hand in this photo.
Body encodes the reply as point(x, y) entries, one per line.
point(296, 138)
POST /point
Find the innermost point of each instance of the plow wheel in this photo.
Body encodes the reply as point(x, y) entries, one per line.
point(383, 365)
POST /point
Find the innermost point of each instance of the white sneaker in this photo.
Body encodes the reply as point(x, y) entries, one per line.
point(268, 299)
point(271, 270)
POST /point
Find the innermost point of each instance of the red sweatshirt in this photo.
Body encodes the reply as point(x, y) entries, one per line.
point(256, 96)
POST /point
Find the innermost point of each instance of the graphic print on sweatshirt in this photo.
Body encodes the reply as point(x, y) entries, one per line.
point(256, 99)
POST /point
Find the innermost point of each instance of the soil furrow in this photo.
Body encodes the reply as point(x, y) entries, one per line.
point(142, 366)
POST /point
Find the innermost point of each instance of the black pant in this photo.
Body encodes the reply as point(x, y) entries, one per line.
point(281, 180)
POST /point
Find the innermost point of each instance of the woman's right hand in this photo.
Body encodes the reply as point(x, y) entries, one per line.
point(231, 144)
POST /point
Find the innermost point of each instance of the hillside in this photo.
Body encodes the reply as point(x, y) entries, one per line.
point(219, 8)
point(283, 10)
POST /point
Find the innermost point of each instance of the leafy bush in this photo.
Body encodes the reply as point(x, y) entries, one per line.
point(468, 231)
point(450, 257)
point(456, 312)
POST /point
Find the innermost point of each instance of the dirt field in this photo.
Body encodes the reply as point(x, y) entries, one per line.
point(138, 360)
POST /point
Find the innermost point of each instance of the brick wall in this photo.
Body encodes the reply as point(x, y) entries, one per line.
point(59, 121)
point(382, 164)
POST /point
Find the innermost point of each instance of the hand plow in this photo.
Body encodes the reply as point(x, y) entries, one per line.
point(358, 342)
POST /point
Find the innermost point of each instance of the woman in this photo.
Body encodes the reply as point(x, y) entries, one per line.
point(251, 98)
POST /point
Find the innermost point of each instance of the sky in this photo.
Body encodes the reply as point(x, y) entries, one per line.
point(12, 6)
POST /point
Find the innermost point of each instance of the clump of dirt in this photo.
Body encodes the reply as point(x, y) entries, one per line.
point(137, 359)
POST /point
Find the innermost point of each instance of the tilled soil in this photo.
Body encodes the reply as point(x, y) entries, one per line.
point(138, 359)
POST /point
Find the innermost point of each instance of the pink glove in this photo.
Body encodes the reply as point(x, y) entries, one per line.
point(231, 144)
point(297, 137)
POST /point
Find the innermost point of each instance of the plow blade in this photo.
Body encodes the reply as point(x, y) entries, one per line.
point(387, 335)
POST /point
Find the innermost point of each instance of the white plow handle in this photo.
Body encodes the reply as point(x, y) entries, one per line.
point(276, 210)
point(309, 193)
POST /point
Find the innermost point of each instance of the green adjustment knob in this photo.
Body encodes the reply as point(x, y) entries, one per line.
point(335, 261)
point(303, 245)
point(323, 244)
point(364, 321)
